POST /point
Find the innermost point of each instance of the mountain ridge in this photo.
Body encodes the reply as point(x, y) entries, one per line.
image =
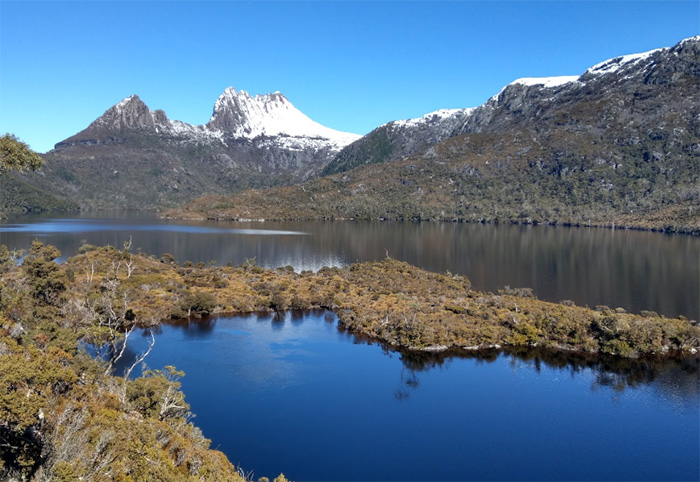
point(617, 145)
point(392, 143)
point(132, 157)
point(235, 115)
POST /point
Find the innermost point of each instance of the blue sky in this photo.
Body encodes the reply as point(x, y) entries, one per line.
point(348, 65)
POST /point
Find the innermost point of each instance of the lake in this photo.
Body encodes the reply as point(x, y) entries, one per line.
point(292, 393)
point(618, 268)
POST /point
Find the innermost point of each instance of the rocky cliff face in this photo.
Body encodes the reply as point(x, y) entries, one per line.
point(623, 84)
point(133, 157)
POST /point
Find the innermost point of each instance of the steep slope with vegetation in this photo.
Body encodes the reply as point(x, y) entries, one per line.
point(19, 197)
point(618, 146)
point(398, 139)
point(488, 178)
point(16, 196)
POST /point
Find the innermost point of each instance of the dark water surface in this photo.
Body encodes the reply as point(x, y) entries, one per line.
point(629, 269)
point(294, 394)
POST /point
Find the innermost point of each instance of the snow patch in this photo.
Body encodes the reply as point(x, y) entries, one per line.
point(296, 143)
point(546, 82)
point(613, 65)
point(124, 102)
point(432, 117)
point(198, 133)
point(690, 39)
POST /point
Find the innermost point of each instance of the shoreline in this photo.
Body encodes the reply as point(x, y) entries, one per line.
point(170, 215)
point(682, 230)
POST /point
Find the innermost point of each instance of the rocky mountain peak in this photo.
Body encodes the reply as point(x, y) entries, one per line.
point(237, 115)
point(130, 113)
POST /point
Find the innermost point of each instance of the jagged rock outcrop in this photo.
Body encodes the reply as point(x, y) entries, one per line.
point(131, 115)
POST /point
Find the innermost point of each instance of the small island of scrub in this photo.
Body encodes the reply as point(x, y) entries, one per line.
point(389, 300)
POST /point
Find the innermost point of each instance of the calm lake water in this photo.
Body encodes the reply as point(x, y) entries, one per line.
point(294, 394)
point(630, 269)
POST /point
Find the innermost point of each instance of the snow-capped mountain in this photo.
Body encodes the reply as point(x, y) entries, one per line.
point(239, 114)
point(133, 113)
point(135, 157)
point(609, 66)
point(618, 145)
point(529, 100)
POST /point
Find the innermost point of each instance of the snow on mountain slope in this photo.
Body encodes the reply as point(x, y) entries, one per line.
point(540, 82)
point(607, 67)
point(546, 82)
point(241, 115)
point(613, 65)
point(270, 117)
point(432, 117)
point(133, 113)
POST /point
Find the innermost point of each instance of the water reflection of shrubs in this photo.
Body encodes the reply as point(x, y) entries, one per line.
point(676, 377)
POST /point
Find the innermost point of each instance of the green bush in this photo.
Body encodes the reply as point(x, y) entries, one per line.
point(199, 304)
